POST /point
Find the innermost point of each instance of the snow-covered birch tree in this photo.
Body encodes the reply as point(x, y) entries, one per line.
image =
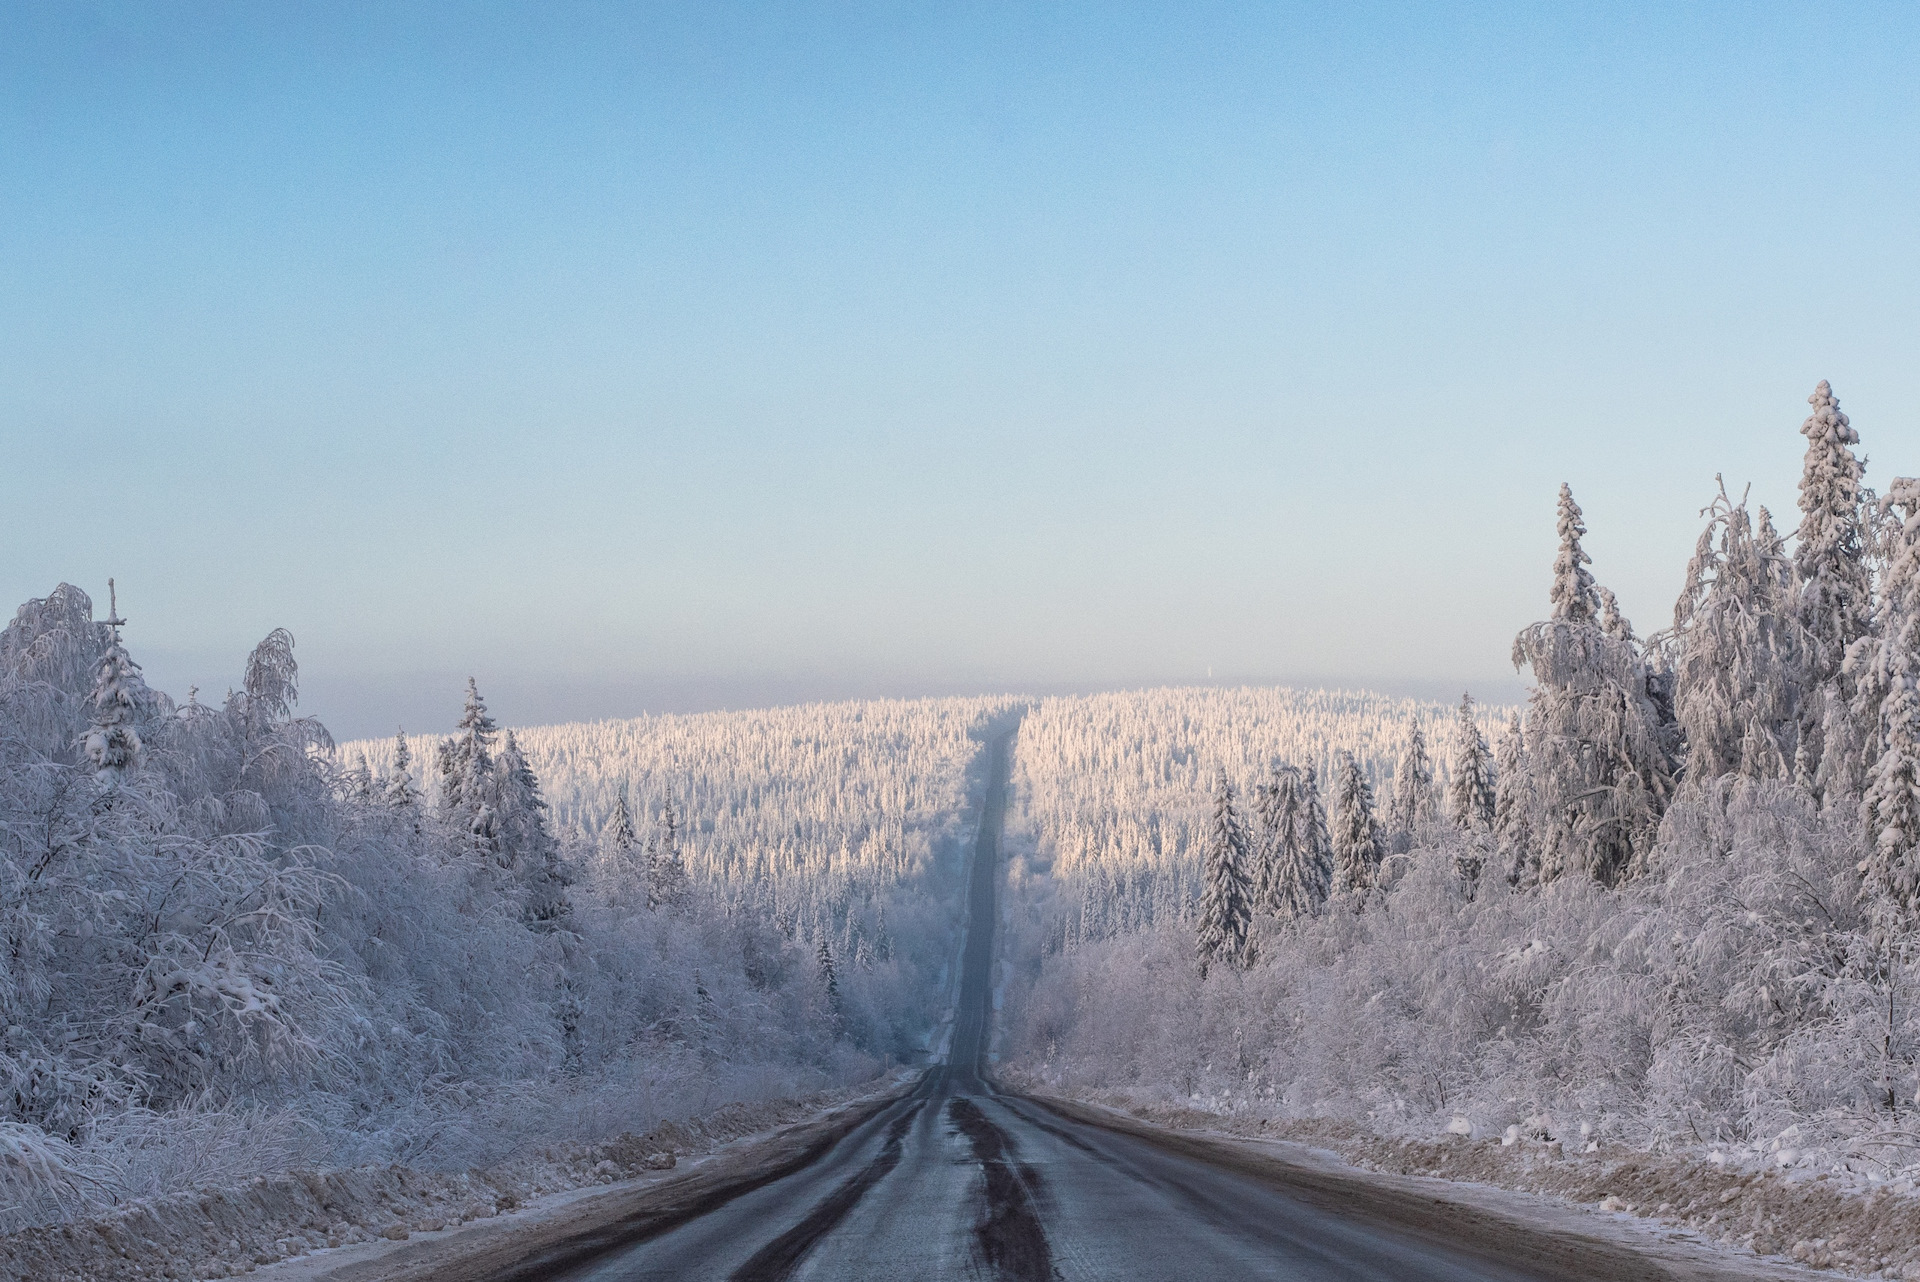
point(1738, 653)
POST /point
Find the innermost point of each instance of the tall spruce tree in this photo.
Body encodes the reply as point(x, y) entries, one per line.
point(1833, 581)
point(620, 830)
point(1316, 841)
point(1301, 870)
point(1574, 597)
point(1611, 620)
point(1600, 745)
point(1412, 806)
point(621, 871)
point(469, 783)
point(1357, 845)
point(527, 848)
point(1276, 808)
point(1226, 902)
point(1512, 807)
point(1886, 668)
point(830, 981)
point(667, 880)
point(112, 743)
point(398, 790)
point(358, 780)
point(1470, 789)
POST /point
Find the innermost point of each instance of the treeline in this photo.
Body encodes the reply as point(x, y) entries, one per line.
point(841, 825)
point(1115, 794)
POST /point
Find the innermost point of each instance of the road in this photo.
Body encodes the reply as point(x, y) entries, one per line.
point(960, 1180)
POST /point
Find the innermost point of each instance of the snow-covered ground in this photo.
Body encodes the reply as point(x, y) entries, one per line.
point(309, 1223)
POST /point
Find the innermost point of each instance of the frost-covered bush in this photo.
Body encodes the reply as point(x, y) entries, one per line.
point(1727, 996)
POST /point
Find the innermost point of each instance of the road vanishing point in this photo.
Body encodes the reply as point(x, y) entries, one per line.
point(955, 1177)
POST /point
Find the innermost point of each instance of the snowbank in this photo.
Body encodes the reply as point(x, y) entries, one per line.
point(227, 1232)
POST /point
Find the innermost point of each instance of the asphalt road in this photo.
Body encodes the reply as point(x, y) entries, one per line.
point(959, 1180)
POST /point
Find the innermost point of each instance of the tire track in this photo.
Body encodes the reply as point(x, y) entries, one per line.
point(1009, 1234)
point(777, 1260)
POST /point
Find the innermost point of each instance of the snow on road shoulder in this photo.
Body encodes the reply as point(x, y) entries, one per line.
point(316, 1221)
point(1699, 1218)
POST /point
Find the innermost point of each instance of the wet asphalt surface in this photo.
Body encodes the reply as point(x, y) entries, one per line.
point(959, 1180)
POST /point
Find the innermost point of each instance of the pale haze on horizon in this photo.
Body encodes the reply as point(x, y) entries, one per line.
point(633, 360)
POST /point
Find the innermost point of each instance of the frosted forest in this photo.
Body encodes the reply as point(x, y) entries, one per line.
point(234, 949)
point(1669, 903)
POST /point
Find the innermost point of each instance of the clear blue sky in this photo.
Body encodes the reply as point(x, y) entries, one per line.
point(633, 356)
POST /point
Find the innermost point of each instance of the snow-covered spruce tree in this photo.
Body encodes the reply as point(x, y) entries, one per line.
point(1600, 750)
point(1412, 807)
point(621, 836)
point(1226, 899)
point(1470, 797)
point(1738, 653)
point(1316, 843)
point(667, 881)
point(1512, 808)
point(1357, 846)
point(398, 790)
point(1574, 598)
point(1890, 662)
point(1295, 865)
point(120, 697)
point(829, 980)
point(465, 759)
point(1833, 582)
point(443, 773)
point(1276, 808)
point(1611, 619)
point(357, 780)
point(620, 869)
point(1470, 791)
point(528, 851)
